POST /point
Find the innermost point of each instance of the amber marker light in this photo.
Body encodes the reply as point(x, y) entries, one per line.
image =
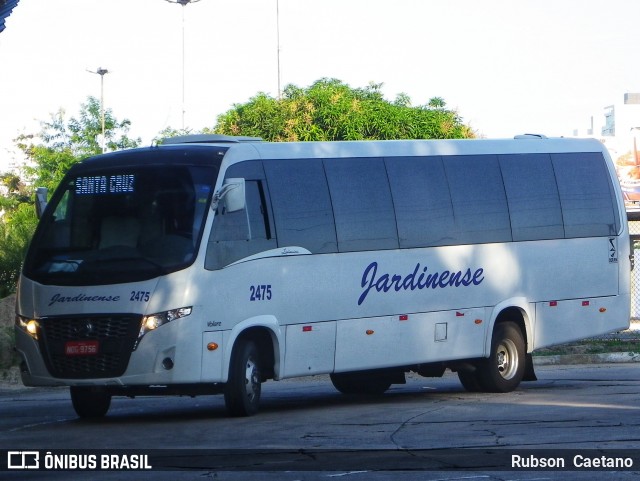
point(212, 346)
point(603, 309)
point(370, 331)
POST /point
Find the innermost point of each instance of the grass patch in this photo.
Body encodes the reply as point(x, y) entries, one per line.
point(591, 346)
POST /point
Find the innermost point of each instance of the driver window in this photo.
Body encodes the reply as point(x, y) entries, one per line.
point(236, 235)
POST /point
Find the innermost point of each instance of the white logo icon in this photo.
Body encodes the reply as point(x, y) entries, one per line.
point(23, 460)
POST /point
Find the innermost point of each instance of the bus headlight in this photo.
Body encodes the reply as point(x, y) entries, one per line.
point(30, 326)
point(154, 321)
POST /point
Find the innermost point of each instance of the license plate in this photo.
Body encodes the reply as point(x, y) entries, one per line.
point(81, 348)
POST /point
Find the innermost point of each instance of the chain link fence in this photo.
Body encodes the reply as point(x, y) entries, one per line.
point(634, 233)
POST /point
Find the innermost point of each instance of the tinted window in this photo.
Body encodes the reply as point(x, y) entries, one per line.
point(121, 223)
point(423, 204)
point(301, 204)
point(245, 224)
point(362, 204)
point(478, 198)
point(586, 194)
point(236, 235)
point(532, 195)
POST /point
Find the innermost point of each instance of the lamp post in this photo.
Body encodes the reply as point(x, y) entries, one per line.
point(102, 72)
point(184, 3)
point(278, 45)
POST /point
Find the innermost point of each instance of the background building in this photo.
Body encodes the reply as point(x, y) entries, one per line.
point(618, 127)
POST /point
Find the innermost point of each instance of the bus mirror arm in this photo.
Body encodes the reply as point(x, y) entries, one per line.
point(41, 200)
point(233, 194)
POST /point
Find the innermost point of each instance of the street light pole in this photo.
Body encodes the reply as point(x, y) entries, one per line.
point(184, 3)
point(102, 72)
point(278, 41)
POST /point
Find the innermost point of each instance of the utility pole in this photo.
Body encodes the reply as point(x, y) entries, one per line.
point(184, 3)
point(102, 72)
point(278, 45)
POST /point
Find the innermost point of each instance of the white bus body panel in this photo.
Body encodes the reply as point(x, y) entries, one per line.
point(351, 311)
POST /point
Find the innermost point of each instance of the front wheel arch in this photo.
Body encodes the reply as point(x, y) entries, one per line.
point(268, 336)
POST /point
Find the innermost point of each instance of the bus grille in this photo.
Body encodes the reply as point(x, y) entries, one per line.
point(113, 337)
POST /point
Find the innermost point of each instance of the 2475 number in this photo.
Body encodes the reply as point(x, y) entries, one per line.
point(260, 292)
point(141, 296)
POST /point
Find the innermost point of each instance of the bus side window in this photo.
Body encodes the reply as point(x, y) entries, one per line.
point(422, 201)
point(532, 196)
point(236, 235)
point(303, 216)
point(586, 195)
point(478, 198)
point(362, 204)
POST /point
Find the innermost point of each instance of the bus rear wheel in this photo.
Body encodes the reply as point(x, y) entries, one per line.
point(90, 402)
point(243, 388)
point(504, 369)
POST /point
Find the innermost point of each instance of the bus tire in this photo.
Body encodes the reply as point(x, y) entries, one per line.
point(504, 369)
point(243, 388)
point(90, 402)
point(354, 383)
point(471, 381)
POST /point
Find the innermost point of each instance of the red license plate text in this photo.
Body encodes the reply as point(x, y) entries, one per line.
point(81, 348)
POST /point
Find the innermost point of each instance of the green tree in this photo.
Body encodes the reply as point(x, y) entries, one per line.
point(168, 132)
point(332, 110)
point(16, 229)
point(50, 153)
point(61, 142)
point(16, 192)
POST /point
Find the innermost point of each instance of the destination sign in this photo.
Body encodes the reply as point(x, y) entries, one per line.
point(105, 184)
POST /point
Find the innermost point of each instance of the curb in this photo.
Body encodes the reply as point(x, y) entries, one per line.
point(604, 358)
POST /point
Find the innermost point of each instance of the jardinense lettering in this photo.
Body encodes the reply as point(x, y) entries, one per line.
point(420, 278)
point(59, 298)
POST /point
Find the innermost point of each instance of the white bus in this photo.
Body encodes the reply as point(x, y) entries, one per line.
point(210, 264)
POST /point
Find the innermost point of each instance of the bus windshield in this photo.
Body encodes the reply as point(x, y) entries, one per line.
point(121, 224)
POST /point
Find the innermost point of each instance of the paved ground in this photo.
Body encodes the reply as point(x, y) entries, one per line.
point(307, 431)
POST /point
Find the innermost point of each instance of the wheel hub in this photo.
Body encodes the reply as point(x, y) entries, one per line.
point(507, 359)
point(252, 379)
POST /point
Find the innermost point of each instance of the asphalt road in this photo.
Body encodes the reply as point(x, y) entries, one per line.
point(307, 430)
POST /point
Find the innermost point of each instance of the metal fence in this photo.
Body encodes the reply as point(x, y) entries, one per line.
point(634, 232)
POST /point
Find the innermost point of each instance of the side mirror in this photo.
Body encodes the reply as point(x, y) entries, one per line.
point(233, 195)
point(41, 200)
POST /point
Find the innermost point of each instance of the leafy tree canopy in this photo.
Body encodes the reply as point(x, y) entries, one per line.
point(50, 153)
point(61, 142)
point(332, 110)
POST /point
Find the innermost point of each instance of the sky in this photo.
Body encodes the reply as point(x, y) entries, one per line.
point(507, 66)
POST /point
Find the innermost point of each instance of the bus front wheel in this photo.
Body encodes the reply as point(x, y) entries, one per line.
point(504, 369)
point(243, 388)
